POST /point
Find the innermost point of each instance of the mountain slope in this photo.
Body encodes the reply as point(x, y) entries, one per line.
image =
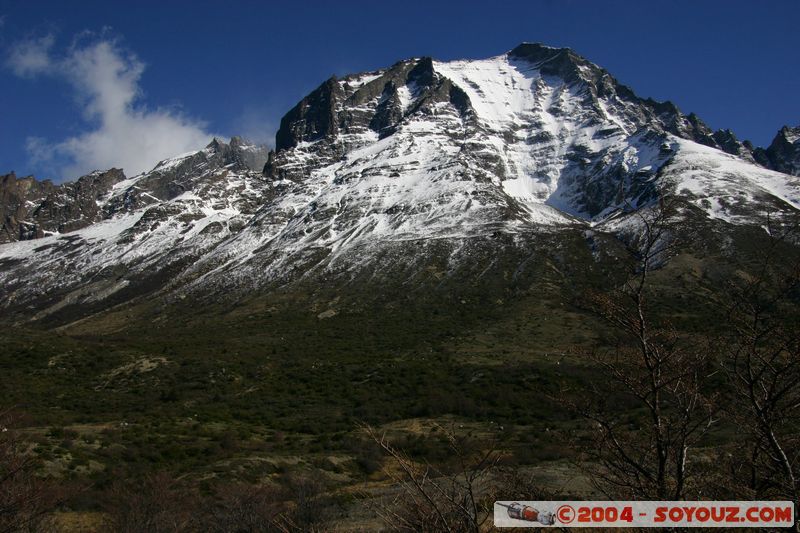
point(394, 170)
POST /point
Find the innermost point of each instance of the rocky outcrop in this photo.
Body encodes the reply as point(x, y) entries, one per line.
point(783, 154)
point(601, 86)
point(313, 118)
point(30, 208)
point(337, 114)
point(173, 177)
point(727, 141)
point(17, 196)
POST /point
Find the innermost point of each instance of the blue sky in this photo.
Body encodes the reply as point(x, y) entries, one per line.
point(83, 81)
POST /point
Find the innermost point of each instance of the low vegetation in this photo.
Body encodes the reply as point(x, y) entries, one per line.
point(411, 411)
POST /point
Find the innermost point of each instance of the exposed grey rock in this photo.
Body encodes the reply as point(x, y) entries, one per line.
point(31, 208)
point(726, 140)
point(783, 154)
point(173, 177)
point(313, 118)
point(382, 168)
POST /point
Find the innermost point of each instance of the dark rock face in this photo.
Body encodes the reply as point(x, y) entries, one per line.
point(29, 208)
point(76, 205)
point(313, 118)
point(341, 108)
point(783, 154)
point(389, 111)
point(173, 177)
point(572, 68)
point(340, 116)
point(334, 107)
point(386, 167)
point(699, 132)
point(16, 196)
point(727, 141)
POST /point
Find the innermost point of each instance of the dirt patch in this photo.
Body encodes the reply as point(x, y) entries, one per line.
point(141, 365)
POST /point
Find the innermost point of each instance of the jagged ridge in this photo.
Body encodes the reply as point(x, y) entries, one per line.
point(535, 140)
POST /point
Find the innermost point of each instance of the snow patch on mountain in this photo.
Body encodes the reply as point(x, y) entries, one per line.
point(419, 152)
point(727, 187)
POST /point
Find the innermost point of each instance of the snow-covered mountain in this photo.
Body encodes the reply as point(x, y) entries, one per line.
point(379, 167)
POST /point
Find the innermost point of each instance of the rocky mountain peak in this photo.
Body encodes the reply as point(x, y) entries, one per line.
point(388, 164)
point(240, 153)
point(790, 135)
point(538, 52)
point(216, 145)
point(540, 100)
point(565, 63)
point(192, 171)
point(728, 142)
point(30, 208)
point(313, 118)
point(562, 62)
point(422, 73)
point(783, 154)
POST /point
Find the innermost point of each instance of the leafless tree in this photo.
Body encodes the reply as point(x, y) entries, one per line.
point(761, 358)
point(644, 449)
point(299, 505)
point(311, 507)
point(26, 501)
point(245, 508)
point(431, 500)
point(157, 504)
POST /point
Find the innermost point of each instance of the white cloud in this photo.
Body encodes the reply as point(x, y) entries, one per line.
point(123, 131)
point(31, 57)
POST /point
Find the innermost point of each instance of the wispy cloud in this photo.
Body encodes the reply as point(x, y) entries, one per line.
point(31, 57)
point(121, 130)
